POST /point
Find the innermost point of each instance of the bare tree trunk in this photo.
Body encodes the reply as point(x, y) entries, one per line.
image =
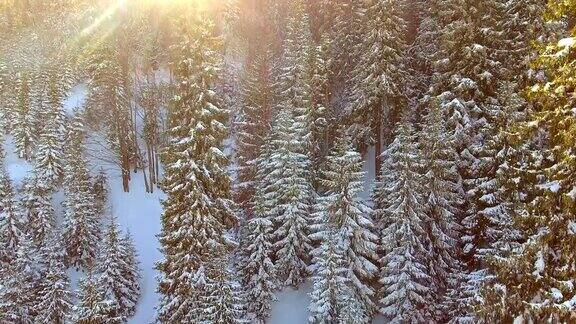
point(148, 186)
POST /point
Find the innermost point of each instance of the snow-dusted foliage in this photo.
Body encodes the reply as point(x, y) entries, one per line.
point(330, 292)
point(198, 209)
point(49, 159)
point(81, 225)
point(55, 297)
point(94, 305)
point(291, 196)
point(115, 274)
point(342, 210)
point(259, 273)
point(142, 139)
point(405, 295)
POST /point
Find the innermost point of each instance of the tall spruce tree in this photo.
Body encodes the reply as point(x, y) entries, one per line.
point(36, 205)
point(253, 122)
point(342, 209)
point(12, 223)
point(225, 304)
point(379, 77)
point(405, 295)
point(23, 127)
point(55, 298)
point(81, 226)
point(112, 269)
point(330, 291)
point(290, 194)
point(49, 157)
point(93, 306)
point(131, 271)
point(443, 197)
point(534, 282)
point(20, 288)
point(259, 273)
point(198, 209)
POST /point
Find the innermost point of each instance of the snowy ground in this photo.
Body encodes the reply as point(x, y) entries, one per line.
point(139, 212)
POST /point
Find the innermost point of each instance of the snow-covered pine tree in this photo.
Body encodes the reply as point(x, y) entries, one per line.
point(225, 303)
point(534, 283)
point(49, 156)
point(353, 312)
point(12, 223)
point(100, 192)
point(93, 306)
point(290, 193)
point(21, 284)
point(379, 77)
point(131, 271)
point(6, 98)
point(259, 274)
point(253, 123)
point(443, 197)
point(330, 279)
point(405, 295)
point(198, 209)
point(301, 74)
point(342, 209)
point(524, 26)
point(54, 298)
point(111, 270)
point(344, 22)
point(36, 205)
point(317, 112)
point(468, 80)
point(23, 126)
point(81, 226)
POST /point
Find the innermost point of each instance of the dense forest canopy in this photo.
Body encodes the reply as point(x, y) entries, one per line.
point(257, 121)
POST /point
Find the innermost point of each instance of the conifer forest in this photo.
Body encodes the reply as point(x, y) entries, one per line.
point(287, 161)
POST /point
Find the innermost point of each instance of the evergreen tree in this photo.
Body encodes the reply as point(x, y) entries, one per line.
point(23, 127)
point(297, 81)
point(344, 21)
point(342, 209)
point(259, 274)
point(49, 157)
point(379, 77)
point(36, 204)
point(443, 196)
point(468, 81)
point(93, 306)
point(81, 227)
point(55, 299)
point(112, 270)
point(131, 272)
point(533, 282)
point(198, 209)
point(21, 285)
point(109, 96)
point(225, 303)
point(405, 294)
point(290, 193)
point(11, 220)
point(253, 122)
point(330, 280)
